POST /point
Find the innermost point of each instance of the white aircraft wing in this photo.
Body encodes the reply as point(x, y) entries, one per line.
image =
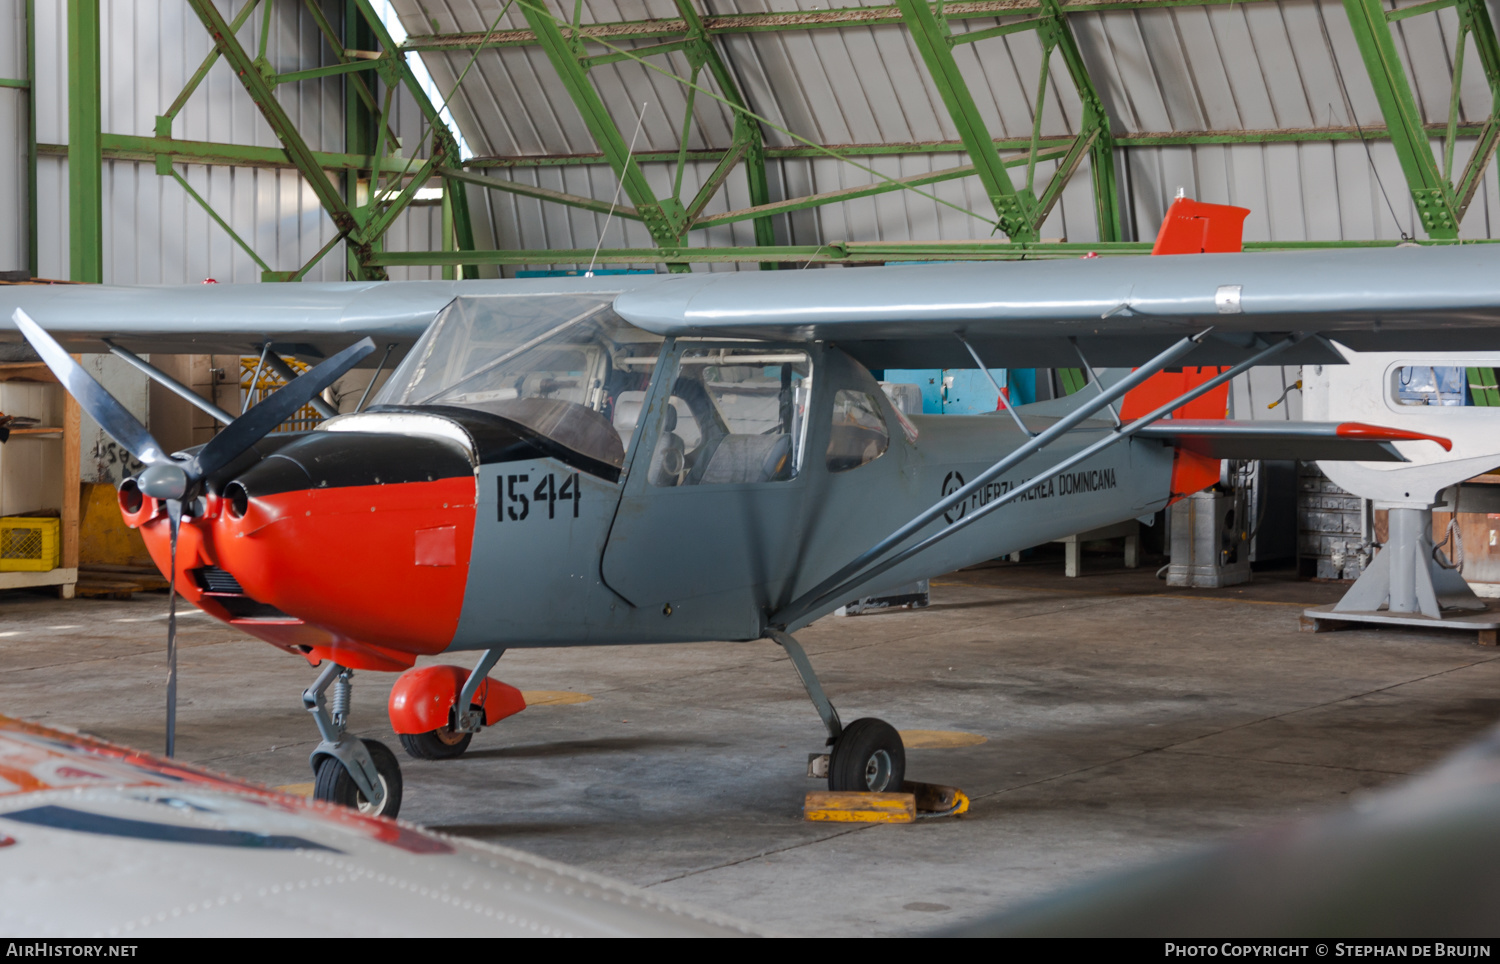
point(100, 841)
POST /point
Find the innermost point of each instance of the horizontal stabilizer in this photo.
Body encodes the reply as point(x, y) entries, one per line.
point(1310, 441)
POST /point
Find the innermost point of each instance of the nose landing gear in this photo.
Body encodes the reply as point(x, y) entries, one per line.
point(868, 754)
point(360, 774)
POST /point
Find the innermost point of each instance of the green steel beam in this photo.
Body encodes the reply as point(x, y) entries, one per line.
point(539, 193)
point(129, 147)
point(16, 84)
point(296, 148)
point(667, 219)
point(1145, 139)
point(164, 120)
point(929, 32)
point(1474, 19)
point(361, 111)
point(333, 70)
point(445, 145)
point(851, 193)
point(1430, 191)
point(847, 252)
point(32, 252)
point(85, 155)
point(837, 18)
point(749, 140)
point(1095, 119)
point(564, 56)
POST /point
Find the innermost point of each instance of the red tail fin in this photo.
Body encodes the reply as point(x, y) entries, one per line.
point(1190, 227)
point(1193, 227)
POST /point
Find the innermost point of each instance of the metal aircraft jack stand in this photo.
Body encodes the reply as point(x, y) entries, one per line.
point(1408, 585)
point(866, 765)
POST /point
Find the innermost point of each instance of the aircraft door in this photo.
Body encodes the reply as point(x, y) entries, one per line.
point(706, 533)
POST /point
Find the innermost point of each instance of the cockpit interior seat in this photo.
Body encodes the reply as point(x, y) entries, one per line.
point(627, 414)
point(750, 458)
point(669, 461)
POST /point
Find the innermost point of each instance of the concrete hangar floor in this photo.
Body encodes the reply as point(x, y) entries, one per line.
point(1123, 721)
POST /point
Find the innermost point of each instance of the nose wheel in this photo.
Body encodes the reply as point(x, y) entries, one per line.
point(335, 783)
point(360, 774)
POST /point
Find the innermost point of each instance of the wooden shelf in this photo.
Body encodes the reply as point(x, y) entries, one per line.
point(26, 371)
point(38, 430)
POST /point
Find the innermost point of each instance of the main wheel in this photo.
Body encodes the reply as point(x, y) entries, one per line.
point(443, 743)
point(440, 744)
point(869, 756)
point(334, 784)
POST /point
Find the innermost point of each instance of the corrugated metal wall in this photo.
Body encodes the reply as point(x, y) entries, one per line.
point(154, 232)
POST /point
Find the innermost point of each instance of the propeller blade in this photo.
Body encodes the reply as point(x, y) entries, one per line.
point(174, 517)
point(259, 421)
point(113, 417)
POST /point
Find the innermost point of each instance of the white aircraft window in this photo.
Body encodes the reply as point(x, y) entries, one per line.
point(859, 434)
point(1448, 386)
point(738, 415)
point(557, 364)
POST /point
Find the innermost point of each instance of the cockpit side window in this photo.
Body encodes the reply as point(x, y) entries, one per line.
point(737, 415)
point(859, 433)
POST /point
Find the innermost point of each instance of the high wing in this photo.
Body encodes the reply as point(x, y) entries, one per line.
point(1121, 310)
point(312, 320)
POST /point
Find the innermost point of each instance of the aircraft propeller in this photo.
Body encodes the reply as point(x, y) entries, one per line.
point(175, 479)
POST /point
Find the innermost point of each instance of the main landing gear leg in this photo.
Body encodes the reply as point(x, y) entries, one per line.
point(355, 773)
point(867, 754)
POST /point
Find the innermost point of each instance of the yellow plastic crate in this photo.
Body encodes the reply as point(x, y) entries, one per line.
point(30, 545)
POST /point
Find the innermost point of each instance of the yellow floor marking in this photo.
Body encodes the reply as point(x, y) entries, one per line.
point(553, 697)
point(939, 739)
point(297, 789)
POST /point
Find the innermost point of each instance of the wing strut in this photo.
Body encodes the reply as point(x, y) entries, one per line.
point(1004, 402)
point(856, 573)
point(169, 383)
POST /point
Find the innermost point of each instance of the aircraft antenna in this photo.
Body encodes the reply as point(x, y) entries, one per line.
point(610, 216)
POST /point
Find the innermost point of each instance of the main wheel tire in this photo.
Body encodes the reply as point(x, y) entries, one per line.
point(869, 756)
point(334, 784)
point(443, 744)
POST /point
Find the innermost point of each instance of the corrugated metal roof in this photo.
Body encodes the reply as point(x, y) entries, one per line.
point(1237, 67)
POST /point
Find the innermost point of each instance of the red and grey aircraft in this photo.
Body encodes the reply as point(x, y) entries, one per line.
point(649, 459)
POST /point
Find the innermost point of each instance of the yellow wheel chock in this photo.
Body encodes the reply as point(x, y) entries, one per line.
point(916, 801)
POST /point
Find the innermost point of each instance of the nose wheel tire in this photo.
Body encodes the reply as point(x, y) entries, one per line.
point(440, 744)
point(869, 756)
point(334, 784)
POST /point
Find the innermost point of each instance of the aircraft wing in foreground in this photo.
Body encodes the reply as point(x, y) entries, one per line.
point(100, 840)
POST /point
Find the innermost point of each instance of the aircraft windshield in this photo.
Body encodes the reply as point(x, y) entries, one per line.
point(554, 363)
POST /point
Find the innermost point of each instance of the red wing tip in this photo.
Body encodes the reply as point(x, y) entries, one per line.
point(1365, 430)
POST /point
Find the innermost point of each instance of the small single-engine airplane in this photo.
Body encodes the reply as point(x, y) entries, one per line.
point(648, 459)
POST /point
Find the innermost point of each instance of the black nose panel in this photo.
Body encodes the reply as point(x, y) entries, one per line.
point(325, 460)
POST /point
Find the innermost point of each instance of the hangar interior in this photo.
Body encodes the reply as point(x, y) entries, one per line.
point(1098, 710)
